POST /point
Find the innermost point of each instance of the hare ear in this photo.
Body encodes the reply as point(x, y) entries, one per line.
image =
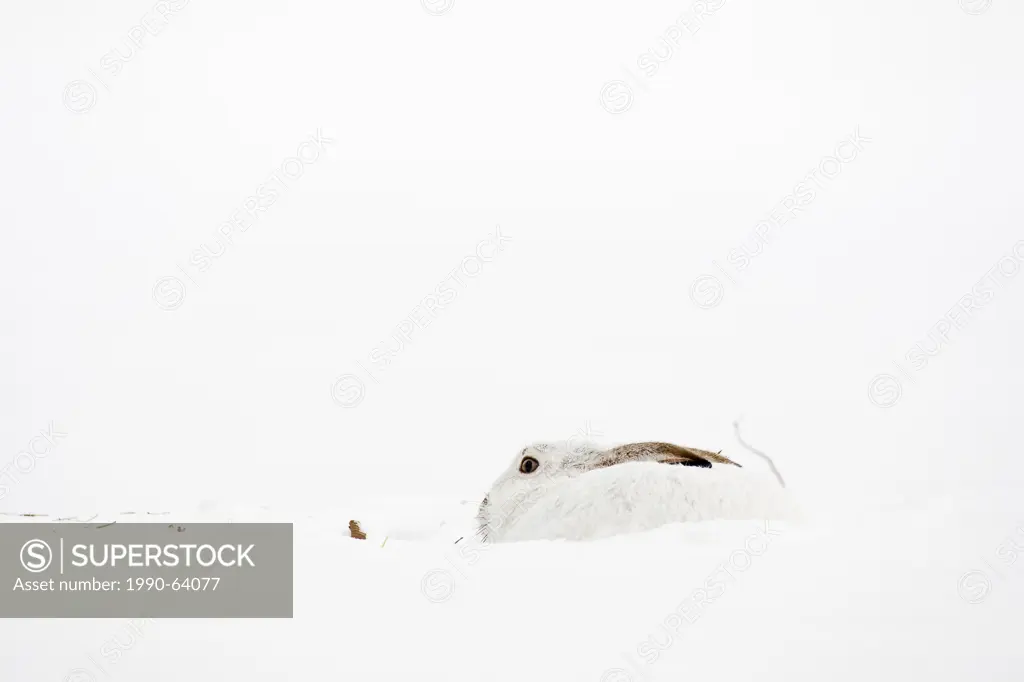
point(689, 461)
point(677, 454)
point(664, 453)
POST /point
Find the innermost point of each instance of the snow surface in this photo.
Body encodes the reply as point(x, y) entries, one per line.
point(876, 596)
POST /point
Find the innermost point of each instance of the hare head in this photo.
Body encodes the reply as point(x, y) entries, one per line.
point(529, 474)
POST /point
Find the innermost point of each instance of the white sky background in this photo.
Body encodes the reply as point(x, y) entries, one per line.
point(491, 114)
point(444, 126)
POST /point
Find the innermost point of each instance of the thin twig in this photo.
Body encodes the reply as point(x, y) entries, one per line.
point(771, 464)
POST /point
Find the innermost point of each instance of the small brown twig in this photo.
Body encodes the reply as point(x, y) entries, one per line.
point(356, 531)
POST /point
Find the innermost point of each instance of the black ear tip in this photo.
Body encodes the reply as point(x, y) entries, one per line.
point(702, 463)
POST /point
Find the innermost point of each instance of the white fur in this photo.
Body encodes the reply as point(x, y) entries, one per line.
point(566, 500)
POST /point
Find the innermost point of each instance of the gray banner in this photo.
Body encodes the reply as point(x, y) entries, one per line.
point(146, 570)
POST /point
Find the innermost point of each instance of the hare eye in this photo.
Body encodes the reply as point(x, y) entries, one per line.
point(528, 465)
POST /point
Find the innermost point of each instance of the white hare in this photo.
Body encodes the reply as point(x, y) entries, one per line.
point(579, 492)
